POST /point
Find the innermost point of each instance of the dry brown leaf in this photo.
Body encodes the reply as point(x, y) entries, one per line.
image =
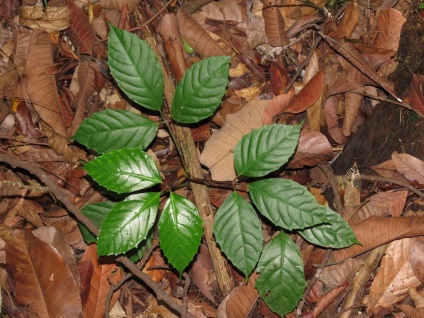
point(117, 4)
point(335, 275)
point(98, 276)
point(411, 311)
point(417, 296)
point(377, 231)
point(417, 256)
point(240, 301)
point(388, 169)
point(276, 106)
point(393, 278)
point(308, 95)
point(332, 119)
point(389, 25)
point(201, 42)
point(274, 24)
point(218, 153)
point(44, 283)
point(415, 93)
point(313, 148)
point(349, 21)
point(279, 78)
point(352, 106)
point(41, 86)
point(410, 167)
point(58, 143)
point(49, 19)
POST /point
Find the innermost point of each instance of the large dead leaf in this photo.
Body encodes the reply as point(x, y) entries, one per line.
point(218, 153)
point(410, 167)
point(313, 148)
point(41, 85)
point(417, 257)
point(393, 279)
point(44, 282)
point(353, 104)
point(96, 283)
point(377, 231)
point(332, 118)
point(389, 25)
point(274, 23)
point(415, 93)
point(349, 21)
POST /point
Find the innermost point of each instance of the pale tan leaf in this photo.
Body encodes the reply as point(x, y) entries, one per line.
point(417, 295)
point(389, 25)
point(411, 311)
point(274, 23)
point(417, 256)
point(388, 169)
point(117, 4)
point(412, 168)
point(41, 85)
point(196, 36)
point(376, 231)
point(313, 148)
point(393, 278)
point(335, 275)
point(218, 152)
point(49, 19)
point(349, 21)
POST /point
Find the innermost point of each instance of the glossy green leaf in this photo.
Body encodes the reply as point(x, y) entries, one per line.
point(286, 203)
point(335, 234)
point(138, 252)
point(200, 91)
point(96, 212)
point(282, 280)
point(134, 66)
point(238, 231)
point(265, 150)
point(124, 170)
point(115, 129)
point(128, 223)
point(180, 231)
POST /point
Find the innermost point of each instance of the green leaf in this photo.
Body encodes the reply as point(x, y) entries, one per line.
point(282, 280)
point(138, 252)
point(238, 231)
point(200, 91)
point(96, 212)
point(115, 129)
point(180, 231)
point(265, 149)
point(134, 66)
point(335, 234)
point(128, 223)
point(286, 203)
point(124, 170)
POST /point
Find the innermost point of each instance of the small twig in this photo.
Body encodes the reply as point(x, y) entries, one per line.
point(394, 181)
point(317, 41)
point(112, 289)
point(334, 186)
point(152, 18)
point(185, 294)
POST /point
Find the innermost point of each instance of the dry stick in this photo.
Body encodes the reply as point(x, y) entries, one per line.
point(334, 186)
point(190, 160)
point(33, 168)
point(112, 289)
point(185, 294)
point(394, 181)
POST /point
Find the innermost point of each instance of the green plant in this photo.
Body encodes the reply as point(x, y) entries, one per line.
point(123, 167)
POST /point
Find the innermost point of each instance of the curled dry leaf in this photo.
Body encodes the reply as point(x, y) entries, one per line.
point(58, 143)
point(279, 78)
point(389, 25)
point(43, 279)
point(377, 231)
point(393, 279)
point(96, 282)
point(274, 24)
point(410, 167)
point(218, 153)
point(313, 148)
point(196, 36)
point(41, 85)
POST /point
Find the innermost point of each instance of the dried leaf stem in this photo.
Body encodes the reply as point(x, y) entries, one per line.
point(33, 168)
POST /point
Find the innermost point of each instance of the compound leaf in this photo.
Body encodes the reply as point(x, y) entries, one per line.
point(180, 231)
point(128, 223)
point(286, 203)
point(200, 91)
point(116, 129)
point(282, 280)
point(335, 233)
point(238, 231)
point(134, 66)
point(124, 170)
point(265, 149)
point(96, 212)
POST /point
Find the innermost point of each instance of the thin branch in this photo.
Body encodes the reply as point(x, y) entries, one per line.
point(33, 168)
point(112, 289)
point(334, 186)
point(394, 181)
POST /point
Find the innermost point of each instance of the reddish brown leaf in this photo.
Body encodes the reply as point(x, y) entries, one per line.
point(308, 95)
point(333, 120)
point(389, 25)
point(353, 104)
point(279, 78)
point(43, 279)
point(349, 21)
point(415, 93)
point(276, 106)
point(313, 148)
point(41, 86)
point(417, 257)
point(377, 231)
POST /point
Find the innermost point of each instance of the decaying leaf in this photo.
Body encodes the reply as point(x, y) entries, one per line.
point(349, 21)
point(389, 25)
point(275, 28)
point(218, 153)
point(410, 167)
